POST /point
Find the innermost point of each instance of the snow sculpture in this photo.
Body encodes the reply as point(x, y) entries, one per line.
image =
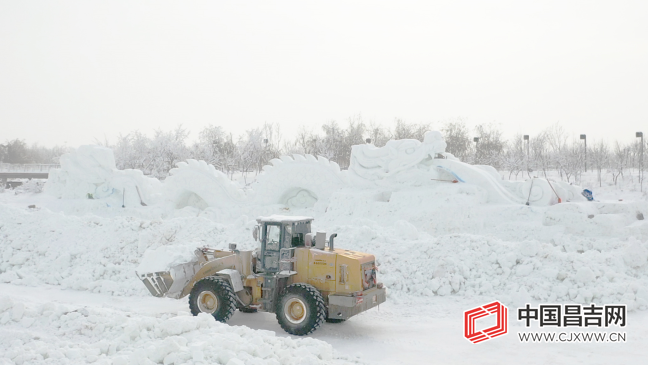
point(299, 181)
point(90, 172)
point(374, 163)
point(81, 172)
point(195, 183)
point(412, 163)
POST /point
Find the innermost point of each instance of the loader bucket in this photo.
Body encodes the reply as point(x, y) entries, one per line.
point(178, 281)
point(158, 283)
point(170, 283)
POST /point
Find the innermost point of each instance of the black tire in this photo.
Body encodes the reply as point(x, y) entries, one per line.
point(201, 298)
point(247, 310)
point(300, 309)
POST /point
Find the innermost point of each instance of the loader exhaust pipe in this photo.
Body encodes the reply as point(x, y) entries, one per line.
point(331, 239)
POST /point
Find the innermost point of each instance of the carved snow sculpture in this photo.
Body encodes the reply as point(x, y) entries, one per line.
point(90, 172)
point(195, 183)
point(299, 181)
point(375, 163)
point(81, 172)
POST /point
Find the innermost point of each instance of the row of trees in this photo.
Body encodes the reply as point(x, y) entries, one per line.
point(158, 154)
point(551, 150)
point(18, 152)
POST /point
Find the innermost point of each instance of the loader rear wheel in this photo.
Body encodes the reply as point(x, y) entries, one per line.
point(300, 309)
point(215, 296)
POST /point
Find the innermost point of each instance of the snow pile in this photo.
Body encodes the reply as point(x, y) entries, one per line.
point(509, 254)
point(165, 257)
point(567, 269)
point(97, 254)
point(52, 333)
point(445, 241)
point(431, 239)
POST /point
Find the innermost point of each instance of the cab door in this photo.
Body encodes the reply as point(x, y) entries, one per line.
point(271, 247)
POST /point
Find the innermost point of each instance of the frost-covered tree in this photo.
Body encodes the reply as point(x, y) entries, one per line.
point(570, 159)
point(154, 156)
point(256, 148)
point(133, 151)
point(618, 161)
point(250, 150)
point(489, 149)
point(331, 145)
point(458, 140)
point(354, 134)
point(15, 151)
point(540, 158)
point(170, 148)
point(403, 130)
point(599, 156)
point(557, 148)
point(45, 155)
point(210, 145)
point(379, 135)
point(550, 150)
point(18, 152)
point(514, 157)
point(303, 143)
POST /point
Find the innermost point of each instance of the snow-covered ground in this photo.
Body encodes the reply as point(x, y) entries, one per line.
point(68, 292)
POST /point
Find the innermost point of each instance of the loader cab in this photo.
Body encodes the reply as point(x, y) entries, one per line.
point(276, 233)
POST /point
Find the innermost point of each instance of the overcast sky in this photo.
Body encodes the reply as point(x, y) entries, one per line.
point(73, 71)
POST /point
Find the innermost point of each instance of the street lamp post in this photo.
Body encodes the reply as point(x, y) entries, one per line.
point(526, 138)
point(640, 135)
point(584, 138)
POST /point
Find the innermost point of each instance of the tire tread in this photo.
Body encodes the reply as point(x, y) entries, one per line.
point(219, 285)
point(313, 294)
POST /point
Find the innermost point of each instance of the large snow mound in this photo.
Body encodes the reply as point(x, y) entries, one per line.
point(511, 254)
point(53, 333)
point(93, 253)
point(165, 257)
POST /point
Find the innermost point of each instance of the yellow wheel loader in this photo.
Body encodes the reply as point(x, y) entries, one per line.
point(294, 273)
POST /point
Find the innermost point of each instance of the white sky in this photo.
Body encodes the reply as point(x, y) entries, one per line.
point(73, 71)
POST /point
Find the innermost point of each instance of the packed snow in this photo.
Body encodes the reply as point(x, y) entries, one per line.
point(50, 332)
point(441, 247)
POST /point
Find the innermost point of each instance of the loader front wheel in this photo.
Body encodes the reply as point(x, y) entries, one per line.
point(300, 309)
point(215, 296)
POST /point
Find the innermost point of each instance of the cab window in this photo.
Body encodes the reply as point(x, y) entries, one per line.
point(273, 234)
